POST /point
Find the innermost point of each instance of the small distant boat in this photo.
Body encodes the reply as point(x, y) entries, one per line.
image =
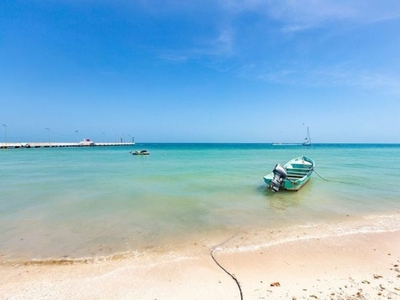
point(292, 176)
point(140, 152)
point(307, 140)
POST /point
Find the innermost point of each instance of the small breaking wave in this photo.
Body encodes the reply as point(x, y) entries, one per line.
point(72, 261)
point(317, 231)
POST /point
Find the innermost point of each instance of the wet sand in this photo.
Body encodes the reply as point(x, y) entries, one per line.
point(350, 266)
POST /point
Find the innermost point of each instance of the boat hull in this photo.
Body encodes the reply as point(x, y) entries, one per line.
point(299, 171)
point(142, 152)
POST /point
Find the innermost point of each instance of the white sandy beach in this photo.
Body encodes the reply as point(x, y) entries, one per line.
point(353, 266)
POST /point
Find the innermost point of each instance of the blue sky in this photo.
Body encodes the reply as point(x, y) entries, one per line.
point(200, 71)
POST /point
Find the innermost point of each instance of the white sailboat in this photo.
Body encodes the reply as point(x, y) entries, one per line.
point(307, 140)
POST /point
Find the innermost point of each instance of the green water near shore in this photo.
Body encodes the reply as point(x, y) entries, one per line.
point(89, 202)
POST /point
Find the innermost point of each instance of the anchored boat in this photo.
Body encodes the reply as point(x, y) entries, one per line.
point(292, 176)
point(140, 152)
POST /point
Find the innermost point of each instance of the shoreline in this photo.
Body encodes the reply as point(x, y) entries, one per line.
point(359, 265)
point(230, 240)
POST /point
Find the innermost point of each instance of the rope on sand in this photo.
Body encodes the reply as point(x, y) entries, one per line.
point(225, 270)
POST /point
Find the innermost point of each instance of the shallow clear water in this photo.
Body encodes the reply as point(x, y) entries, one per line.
point(88, 202)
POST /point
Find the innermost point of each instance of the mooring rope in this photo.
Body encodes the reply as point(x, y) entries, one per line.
point(320, 175)
point(337, 181)
point(225, 270)
point(346, 182)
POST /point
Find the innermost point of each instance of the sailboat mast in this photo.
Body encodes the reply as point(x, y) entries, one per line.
point(307, 141)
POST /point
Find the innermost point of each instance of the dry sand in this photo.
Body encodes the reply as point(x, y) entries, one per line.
point(355, 266)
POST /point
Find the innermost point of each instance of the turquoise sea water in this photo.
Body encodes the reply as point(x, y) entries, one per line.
point(74, 203)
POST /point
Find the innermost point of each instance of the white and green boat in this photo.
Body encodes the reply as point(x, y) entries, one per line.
point(292, 176)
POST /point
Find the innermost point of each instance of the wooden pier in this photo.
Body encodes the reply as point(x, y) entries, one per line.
point(60, 145)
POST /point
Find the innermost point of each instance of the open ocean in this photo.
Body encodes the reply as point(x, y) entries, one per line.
point(103, 202)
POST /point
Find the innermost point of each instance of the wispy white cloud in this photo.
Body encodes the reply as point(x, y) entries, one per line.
point(218, 46)
point(221, 44)
point(173, 57)
point(322, 76)
point(296, 15)
point(378, 80)
point(221, 34)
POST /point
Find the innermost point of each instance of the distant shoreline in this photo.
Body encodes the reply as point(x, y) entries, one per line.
point(11, 145)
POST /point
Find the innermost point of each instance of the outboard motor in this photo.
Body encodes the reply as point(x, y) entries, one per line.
point(279, 175)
